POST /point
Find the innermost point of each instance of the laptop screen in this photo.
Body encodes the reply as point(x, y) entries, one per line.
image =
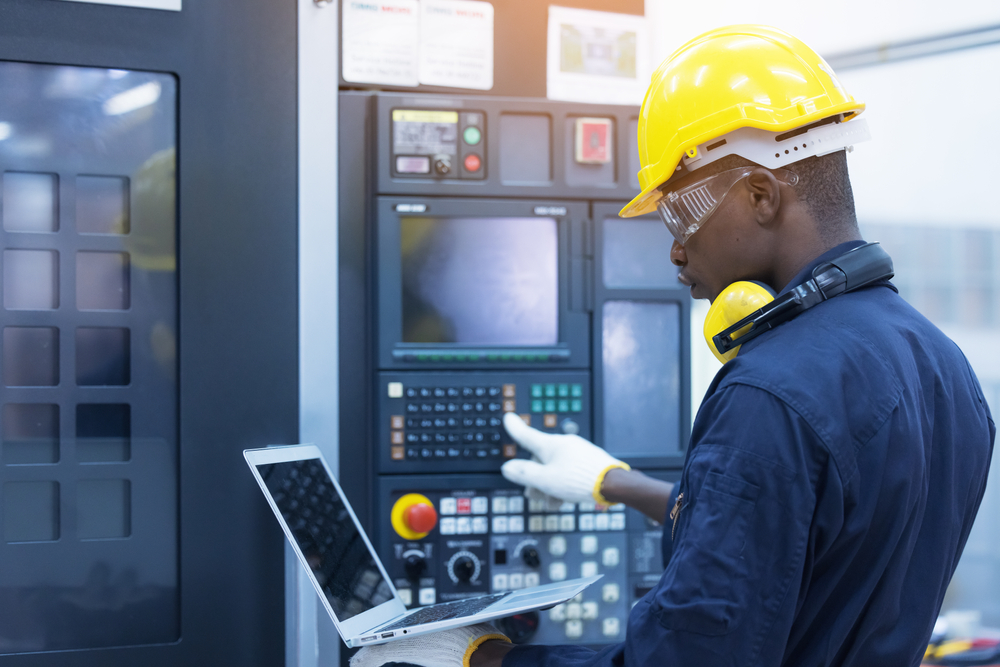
point(327, 536)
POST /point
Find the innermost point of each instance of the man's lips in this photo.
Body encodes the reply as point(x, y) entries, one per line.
point(684, 280)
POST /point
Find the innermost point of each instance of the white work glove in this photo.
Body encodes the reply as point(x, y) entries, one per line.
point(564, 466)
point(449, 648)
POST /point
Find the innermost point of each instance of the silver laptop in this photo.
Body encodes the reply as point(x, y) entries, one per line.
point(343, 566)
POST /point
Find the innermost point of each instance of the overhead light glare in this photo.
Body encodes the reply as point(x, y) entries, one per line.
point(5, 130)
point(132, 99)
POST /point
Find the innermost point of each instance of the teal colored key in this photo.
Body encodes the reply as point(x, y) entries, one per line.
point(563, 390)
point(536, 406)
point(550, 391)
point(576, 405)
point(563, 406)
point(536, 391)
point(576, 390)
point(550, 405)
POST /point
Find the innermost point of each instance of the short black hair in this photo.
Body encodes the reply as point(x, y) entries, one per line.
point(825, 187)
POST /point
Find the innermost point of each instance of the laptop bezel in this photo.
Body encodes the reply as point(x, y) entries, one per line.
point(361, 623)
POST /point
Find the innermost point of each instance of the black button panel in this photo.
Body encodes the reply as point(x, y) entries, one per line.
point(470, 424)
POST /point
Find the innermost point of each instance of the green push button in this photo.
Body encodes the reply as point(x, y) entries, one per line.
point(536, 391)
point(576, 391)
point(536, 406)
point(550, 406)
point(472, 135)
point(563, 390)
point(576, 405)
point(563, 406)
point(550, 390)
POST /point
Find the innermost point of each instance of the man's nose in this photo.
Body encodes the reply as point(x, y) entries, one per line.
point(678, 255)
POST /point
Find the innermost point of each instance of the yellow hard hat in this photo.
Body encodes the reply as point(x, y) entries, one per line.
point(749, 84)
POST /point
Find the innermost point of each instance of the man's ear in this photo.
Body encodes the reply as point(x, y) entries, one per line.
point(765, 195)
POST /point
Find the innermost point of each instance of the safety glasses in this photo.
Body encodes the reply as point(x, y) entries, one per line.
point(684, 211)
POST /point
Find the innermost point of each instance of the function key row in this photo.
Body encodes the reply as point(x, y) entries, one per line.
point(557, 391)
point(453, 408)
point(491, 452)
point(479, 437)
point(452, 422)
point(562, 405)
point(507, 391)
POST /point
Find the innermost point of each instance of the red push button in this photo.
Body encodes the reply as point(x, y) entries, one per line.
point(472, 162)
point(421, 517)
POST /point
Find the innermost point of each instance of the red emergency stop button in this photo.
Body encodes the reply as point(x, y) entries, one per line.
point(421, 517)
point(472, 162)
point(413, 516)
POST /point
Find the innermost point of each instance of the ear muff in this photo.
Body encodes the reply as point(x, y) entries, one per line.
point(732, 305)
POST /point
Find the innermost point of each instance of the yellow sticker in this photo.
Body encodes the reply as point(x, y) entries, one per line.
point(424, 116)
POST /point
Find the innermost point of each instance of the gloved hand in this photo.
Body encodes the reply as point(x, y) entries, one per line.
point(565, 466)
point(449, 648)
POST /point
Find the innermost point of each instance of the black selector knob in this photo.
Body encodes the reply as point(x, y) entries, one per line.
point(442, 165)
point(531, 557)
point(464, 568)
point(520, 627)
point(415, 566)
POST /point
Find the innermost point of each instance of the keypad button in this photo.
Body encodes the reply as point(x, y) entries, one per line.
point(562, 391)
point(412, 453)
point(610, 557)
point(550, 391)
point(481, 422)
point(590, 611)
point(495, 422)
point(480, 437)
point(494, 391)
point(440, 423)
point(411, 392)
point(576, 390)
point(454, 438)
point(588, 543)
point(537, 405)
point(550, 405)
point(426, 407)
point(495, 407)
point(499, 582)
point(426, 437)
point(562, 406)
point(440, 437)
point(480, 391)
point(494, 437)
point(588, 568)
point(610, 593)
point(468, 407)
point(515, 504)
point(468, 422)
point(440, 453)
point(500, 504)
point(480, 407)
point(469, 437)
point(480, 505)
point(453, 407)
point(452, 392)
point(481, 453)
point(454, 452)
point(601, 522)
point(440, 407)
point(516, 580)
point(439, 392)
point(499, 524)
point(574, 629)
point(516, 524)
point(468, 392)
point(536, 391)
point(617, 522)
point(530, 578)
point(425, 392)
point(557, 571)
point(576, 405)
point(557, 546)
point(426, 423)
point(558, 613)
point(412, 423)
point(574, 610)
point(495, 452)
point(426, 453)
point(412, 438)
point(610, 627)
point(412, 407)
point(427, 596)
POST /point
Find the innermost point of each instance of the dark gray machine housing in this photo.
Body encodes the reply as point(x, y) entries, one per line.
point(425, 418)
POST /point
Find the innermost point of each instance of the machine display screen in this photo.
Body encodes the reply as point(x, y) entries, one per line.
point(480, 281)
point(418, 132)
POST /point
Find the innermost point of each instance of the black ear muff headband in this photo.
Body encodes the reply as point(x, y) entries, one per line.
point(853, 270)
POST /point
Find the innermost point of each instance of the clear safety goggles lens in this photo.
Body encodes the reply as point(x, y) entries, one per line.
point(684, 211)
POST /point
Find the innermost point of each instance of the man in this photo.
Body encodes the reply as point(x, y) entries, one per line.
point(836, 464)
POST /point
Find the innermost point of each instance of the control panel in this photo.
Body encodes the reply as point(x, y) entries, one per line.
point(449, 543)
point(438, 144)
point(453, 421)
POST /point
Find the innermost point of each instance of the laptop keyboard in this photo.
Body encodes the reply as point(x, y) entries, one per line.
point(445, 611)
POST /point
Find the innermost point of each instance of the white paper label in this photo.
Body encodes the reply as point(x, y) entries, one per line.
point(597, 57)
point(456, 44)
point(381, 41)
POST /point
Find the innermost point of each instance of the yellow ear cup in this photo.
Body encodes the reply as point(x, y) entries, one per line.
point(732, 305)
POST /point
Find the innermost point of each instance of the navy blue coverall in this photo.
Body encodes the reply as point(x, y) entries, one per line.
point(835, 468)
